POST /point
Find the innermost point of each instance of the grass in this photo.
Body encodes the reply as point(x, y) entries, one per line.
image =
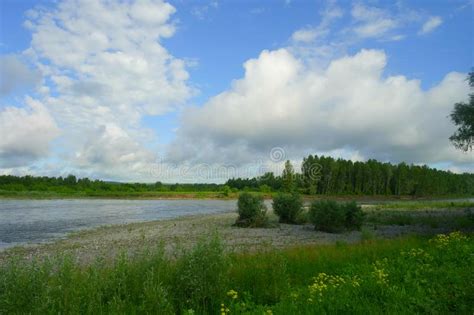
point(454, 219)
point(400, 276)
point(399, 201)
point(425, 204)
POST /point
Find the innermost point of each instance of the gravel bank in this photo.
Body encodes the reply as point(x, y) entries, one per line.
point(108, 241)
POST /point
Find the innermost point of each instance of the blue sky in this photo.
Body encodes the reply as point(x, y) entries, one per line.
point(180, 119)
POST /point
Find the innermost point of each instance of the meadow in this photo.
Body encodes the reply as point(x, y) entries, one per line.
point(398, 276)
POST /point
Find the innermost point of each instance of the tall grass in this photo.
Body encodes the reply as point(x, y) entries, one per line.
point(425, 204)
point(408, 275)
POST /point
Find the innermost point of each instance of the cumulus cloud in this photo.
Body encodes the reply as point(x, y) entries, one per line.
point(106, 69)
point(430, 25)
point(350, 106)
point(26, 133)
point(114, 153)
point(15, 75)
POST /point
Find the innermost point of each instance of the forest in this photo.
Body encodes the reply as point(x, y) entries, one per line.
point(320, 175)
point(328, 176)
point(71, 184)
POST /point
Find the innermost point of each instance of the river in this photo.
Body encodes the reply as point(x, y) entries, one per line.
point(38, 221)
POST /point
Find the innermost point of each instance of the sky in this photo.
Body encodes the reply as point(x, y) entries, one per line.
point(201, 91)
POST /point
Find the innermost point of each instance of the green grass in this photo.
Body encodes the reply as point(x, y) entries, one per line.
point(401, 276)
point(425, 204)
point(454, 220)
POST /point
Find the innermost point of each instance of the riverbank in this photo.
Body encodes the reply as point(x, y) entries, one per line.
point(183, 232)
point(211, 195)
point(410, 274)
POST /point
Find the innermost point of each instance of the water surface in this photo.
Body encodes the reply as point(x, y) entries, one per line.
point(37, 221)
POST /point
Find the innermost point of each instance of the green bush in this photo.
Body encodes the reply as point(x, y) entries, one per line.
point(354, 215)
point(288, 207)
point(199, 279)
point(327, 216)
point(330, 216)
point(252, 211)
point(226, 191)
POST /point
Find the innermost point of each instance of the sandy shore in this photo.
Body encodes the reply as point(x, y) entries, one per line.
point(108, 241)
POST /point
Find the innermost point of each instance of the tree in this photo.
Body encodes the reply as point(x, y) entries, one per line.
point(288, 176)
point(463, 117)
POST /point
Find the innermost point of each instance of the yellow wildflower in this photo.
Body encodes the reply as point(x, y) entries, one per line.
point(232, 294)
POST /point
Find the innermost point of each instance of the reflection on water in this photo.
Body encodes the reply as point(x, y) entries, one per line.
point(34, 221)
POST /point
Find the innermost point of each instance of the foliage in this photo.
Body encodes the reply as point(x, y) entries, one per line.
point(226, 191)
point(463, 117)
point(288, 207)
point(71, 185)
point(327, 215)
point(199, 277)
point(400, 276)
point(265, 188)
point(321, 175)
point(330, 216)
point(354, 217)
point(288, 177)
point(455, 219)
point(251, 210)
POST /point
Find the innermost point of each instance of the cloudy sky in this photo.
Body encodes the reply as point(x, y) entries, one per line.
point(204, 90)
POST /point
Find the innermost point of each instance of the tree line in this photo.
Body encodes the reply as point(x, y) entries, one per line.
point(72, 184)
point(321, 175)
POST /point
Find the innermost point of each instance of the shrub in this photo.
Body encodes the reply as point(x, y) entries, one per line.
point(199, 279)
point(288, 207)
point(226, 191)
point(329, 216)
point(354, 215)
point(265, 188)
point(252, 211)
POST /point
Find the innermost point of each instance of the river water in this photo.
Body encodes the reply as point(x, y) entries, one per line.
point(37, 221)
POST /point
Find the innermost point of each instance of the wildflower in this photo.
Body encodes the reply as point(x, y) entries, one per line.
point(224, 310)
point(379, 272)
point(355, 281)
point(443, 240)
point(232, 294)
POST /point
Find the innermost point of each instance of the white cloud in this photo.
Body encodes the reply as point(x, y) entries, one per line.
point(15, 75)
point(328, 15)
point(349, 106)
point(202, 11)
point(430, 25)
point(372, 21)
point(114, 153)
point(304, 35)
point(106, 69)
point(26, 134)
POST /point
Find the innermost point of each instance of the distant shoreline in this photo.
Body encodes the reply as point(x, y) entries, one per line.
point(37, 195)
